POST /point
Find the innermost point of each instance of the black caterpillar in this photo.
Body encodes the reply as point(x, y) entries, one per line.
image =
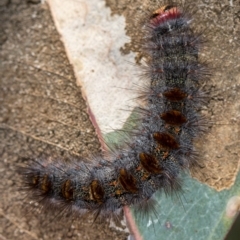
point(159, 150)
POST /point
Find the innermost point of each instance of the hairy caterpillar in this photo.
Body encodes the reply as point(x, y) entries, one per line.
point(158, 151)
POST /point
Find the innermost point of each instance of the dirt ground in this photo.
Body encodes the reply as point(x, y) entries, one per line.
point(29, 127)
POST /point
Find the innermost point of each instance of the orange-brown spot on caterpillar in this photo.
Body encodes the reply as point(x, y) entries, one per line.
point(150, 163)
point(175, 95)
point(174, 117)
point(166, 140)
point(45, 184)
point(84, 188)
point(96, 191)
point(67, 190)
point(145, 176)
point(114, 183)
point(35, 180)
point(127, 181)
point(139, 168)
point(165, 155)
point(177, 130)
point(118, 192)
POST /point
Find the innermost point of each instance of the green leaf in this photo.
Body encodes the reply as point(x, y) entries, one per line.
point(196, 213)
point(202, 217)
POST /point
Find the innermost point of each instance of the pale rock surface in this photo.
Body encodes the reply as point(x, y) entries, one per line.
point(93, 38)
